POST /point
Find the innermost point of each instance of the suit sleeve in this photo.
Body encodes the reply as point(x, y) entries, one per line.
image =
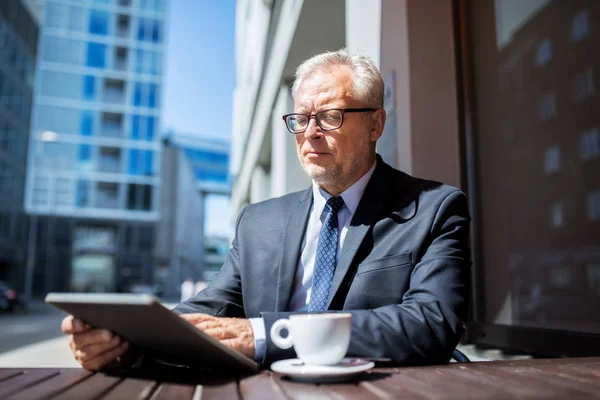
point(427, 325)
point(223, 297)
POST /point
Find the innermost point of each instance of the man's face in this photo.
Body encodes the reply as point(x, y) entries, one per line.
point(336, 159)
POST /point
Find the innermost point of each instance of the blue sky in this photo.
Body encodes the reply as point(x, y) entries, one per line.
point(200, 74)
point(199, 80)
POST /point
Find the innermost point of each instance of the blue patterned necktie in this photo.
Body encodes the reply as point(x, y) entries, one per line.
point(325, 260)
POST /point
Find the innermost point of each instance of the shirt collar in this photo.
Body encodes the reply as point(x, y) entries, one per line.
point(351, 196)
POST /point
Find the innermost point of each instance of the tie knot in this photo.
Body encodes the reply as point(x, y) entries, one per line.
point(334, 204)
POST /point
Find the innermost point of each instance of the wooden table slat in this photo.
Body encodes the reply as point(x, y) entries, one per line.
point(556, 379)
point(56, 384)
point(300, 390)
point(24, 380)
point(132, 389)
point(94, 387)
point(514, 384)
point(414, 388)
point(261, 387)
point(223, 392)
point(168, 391)
point(550, 376)
point(7, 374)
point(494, 386)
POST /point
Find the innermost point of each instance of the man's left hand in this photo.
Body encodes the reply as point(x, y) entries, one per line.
point(232, 332)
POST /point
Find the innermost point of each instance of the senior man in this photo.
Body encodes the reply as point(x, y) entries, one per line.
point(389, 248)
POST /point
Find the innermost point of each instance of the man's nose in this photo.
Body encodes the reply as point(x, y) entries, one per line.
point(313, 130)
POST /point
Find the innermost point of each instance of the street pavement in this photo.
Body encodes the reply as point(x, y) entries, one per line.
point(33, 338)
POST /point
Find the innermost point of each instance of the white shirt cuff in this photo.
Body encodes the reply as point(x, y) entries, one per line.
point(260, 338)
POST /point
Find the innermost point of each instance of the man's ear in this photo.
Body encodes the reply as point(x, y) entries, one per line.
point(377, 124)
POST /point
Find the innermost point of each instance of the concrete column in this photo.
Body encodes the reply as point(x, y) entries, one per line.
point(260, 185)
point(287, 174)
point(363, 28)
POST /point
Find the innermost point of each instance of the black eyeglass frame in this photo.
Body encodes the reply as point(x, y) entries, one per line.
point(309, 116)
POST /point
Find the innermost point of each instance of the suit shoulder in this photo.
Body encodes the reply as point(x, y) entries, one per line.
point(277, 203)
point(427, 187)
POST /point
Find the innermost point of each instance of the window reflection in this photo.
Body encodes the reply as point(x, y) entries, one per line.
point(96, 55)
point(538, 163)
point(98, 22)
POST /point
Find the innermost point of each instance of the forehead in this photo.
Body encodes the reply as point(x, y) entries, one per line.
point(332, 86)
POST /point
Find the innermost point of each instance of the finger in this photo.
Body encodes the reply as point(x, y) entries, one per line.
point(197, 317)
point(221, 333)
point(94, 350)
point(210, 325)
point(106, 358)
point(71, 325)
point(92, 336)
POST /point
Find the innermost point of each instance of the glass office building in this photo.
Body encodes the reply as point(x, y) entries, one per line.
point(94, 155)
point(18, 47)
point(208, 158)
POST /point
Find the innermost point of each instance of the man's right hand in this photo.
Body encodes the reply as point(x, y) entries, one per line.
point(95, 349)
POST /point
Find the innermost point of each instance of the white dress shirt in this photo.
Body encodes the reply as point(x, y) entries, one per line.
point(301, 289)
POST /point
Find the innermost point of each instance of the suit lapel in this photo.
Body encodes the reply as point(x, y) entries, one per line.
point(364, 218)
point(291, 246)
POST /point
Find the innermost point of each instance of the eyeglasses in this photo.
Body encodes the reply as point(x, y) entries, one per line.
point(327, 119)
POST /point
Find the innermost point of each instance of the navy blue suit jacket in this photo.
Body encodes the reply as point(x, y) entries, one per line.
point(403, 272)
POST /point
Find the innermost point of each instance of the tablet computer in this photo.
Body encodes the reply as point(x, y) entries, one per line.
point(160, 333)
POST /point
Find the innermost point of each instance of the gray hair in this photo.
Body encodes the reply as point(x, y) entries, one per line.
point(368, 83)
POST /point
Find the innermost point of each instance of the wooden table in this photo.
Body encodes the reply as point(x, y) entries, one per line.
point(544, 378)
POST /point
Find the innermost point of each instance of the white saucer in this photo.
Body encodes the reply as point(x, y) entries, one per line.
point(345, 370)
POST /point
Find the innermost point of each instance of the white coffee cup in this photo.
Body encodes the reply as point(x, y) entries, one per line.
point(319, 339)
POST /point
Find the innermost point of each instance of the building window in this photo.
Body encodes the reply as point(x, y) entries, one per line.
point(113, 91)
point(589, 144)
point(552, 159)
point(60, 84)
point(584, 84)
point(141, 162)
point(547, 106)
point(62, 50)
point(212, 176)
point(89, 87)
point(150, 124)
point(76, 19)
point(112, 125)
point(142, 128)
point(107, 195)
point(594, 205)
point(82, 194)
point(40, 191)
point(59, 119)
point(109, 159)
point(96, 55)
point(120, 59)
point(56, 15)
point(98, 22)
point(85, 157)
point(145, 95)
point(557, 214)
point(149, 30)
point(139, 197)
point(543, 53)
point(580, 25)
point(147, 62)
point(87, 123)
point(63, 192)
point(154, 5)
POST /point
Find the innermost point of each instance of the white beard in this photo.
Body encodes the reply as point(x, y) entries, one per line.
point(335, 175)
